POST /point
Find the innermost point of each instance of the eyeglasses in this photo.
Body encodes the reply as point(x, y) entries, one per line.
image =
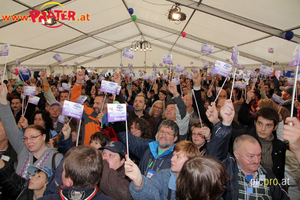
point(32, 138)
point(158, 107)
point(161, 132)
point(57, 109)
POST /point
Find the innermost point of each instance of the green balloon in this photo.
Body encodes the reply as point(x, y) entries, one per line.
point(133, 17)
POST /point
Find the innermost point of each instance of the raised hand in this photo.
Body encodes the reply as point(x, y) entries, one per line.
point(133, 172)
point(196, 79)
point(212, 113)
point(100, 116)
point(250, 96)
point(80, 76)
point(66, 130)
point(173, 89)
point(117, 78)
point(205, 131)
point(23, 122)
point(3, 94)
point(43, 76)
point(227, 112)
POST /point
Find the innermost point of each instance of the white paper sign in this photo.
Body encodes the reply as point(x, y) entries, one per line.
point(267, 71)
point(4, 49)
point(296, 57)
point(34, 100)
point(29, 90)
point(116, 112)
point(72, 109)
point(81, 99)
point(110, 87)
point(128, 54)
point(207, 48)
point(222, 68)
point(66, 86)
point(58, 58)
point(167, 59)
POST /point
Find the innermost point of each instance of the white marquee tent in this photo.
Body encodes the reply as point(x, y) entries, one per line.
point(253, 25)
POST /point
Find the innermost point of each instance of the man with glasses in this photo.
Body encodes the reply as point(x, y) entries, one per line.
point(153, 155)
point(55, 110)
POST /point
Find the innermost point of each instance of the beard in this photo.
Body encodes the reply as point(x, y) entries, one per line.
point(97, 110)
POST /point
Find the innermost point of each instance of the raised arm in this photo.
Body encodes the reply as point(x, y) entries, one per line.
point(9, 123)
point(219, 143)
point(137, 146)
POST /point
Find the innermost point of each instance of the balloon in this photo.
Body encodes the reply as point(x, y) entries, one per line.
point(133, 17)
point(183, 34)
point(130, 10)
point(24, 73)
point(15, 71)
point(289, 35)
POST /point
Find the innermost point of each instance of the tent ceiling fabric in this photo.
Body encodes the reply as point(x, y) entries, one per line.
point(254, 26)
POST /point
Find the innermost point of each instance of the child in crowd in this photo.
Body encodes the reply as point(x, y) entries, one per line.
point(22, 189)
point(99, 139)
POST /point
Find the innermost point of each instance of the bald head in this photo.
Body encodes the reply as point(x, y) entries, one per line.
point(222, 95)
point(188, 99)
point(220, 104)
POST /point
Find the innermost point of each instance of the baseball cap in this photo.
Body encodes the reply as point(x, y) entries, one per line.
point(55, 103)
point(116, 147)
point(288, 89)
point(48, 170)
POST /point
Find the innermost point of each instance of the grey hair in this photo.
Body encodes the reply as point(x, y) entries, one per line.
point(170, 124)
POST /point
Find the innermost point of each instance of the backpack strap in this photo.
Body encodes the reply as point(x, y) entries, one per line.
point(53, 161)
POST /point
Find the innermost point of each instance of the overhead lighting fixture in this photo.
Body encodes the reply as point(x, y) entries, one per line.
point(175, 14)
point(143, 45)
point(50, 21)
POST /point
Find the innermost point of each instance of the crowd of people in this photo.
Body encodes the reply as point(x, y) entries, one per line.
point(187, 141)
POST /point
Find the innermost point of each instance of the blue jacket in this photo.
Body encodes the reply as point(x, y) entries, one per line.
point(146, 151)
point(157, 187)
point(218, 148)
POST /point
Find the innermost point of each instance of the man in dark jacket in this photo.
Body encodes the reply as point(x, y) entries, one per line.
point(247, 178)
point(139, 111)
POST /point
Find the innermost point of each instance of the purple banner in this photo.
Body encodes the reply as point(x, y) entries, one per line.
point(29, 90)
point(296, 57)
point(222, 68)
point(58, 58)
point(167, 59)
point(81, 99)
point(17, 62)
point(4, 50)
point(116, 112)
point(267, 71)
point(34, 100)
point(207, 48)
point(72, 109)
point(110, 87)
point(235, 54)
point(128, 54)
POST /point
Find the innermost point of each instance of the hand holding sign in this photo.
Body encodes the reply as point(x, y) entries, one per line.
point(80, 76)
point(66, 130)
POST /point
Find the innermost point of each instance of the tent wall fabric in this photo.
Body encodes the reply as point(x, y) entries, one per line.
point(106, 27)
